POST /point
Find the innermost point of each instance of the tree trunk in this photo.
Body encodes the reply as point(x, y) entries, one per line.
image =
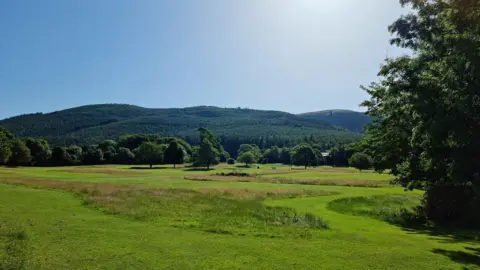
point(305, 167)
point(174, 165)
point(151, 166)
point(208, 166)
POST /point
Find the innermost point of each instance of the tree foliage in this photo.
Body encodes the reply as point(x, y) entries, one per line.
point(303, 155)
point(175, 154)
point(207, 154)
point(59, 156)
point(75, 155)
point(108, 151)
point(39, 150)
point(124, 156)
point(93, 155)
point(149, 153)
point(272, 154)
point(252, 148)
point(20, 154)
point(427, 106)
point(6, 139)
point(247, 157)
point(360, 161)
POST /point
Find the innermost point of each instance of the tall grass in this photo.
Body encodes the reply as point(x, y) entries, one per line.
point(233, 211)
point(396, 209)
point(14, 249)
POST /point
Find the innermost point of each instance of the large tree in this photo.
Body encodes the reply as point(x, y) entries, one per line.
point(75, 154)
point(20, 154)
point(149, 153)
point(39, 150)
point(286, 156)
point(108, 145)
point(205, 134)
point(252, 148)
point(428, 105)
point(272, 155)
point(174, 154)
point(6, 139)
point(248, 158)
point(360, 161)
point(59, 156)
point(124, 156)
point(207, 154)
point(303, 155)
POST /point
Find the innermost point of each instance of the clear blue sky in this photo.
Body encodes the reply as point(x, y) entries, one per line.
point(289, 55)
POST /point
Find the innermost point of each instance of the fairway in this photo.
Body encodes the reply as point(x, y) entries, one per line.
point(106, 217)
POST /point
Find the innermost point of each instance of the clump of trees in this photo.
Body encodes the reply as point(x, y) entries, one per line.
point(145, 149)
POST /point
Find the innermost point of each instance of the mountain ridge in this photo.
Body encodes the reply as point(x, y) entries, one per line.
point(94, 122)
point(353, 121)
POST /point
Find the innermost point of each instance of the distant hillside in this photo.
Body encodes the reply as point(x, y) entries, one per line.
point(351, 120)
point(93, 123)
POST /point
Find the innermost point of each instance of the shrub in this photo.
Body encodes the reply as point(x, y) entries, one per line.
point(234, 173)
point(360, 161)
point(231, 161)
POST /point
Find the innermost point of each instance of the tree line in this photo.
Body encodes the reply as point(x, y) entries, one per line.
point(154, 149)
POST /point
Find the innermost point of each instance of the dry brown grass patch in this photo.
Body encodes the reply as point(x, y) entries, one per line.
point(102, 171)
point(220, 178)
point(78, 187)
point(262, 193)
point(331, 182)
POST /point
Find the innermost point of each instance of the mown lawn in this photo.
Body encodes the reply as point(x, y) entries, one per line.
point(114, 217)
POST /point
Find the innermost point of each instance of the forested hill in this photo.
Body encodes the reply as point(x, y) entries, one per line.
point(351, 120)
point(93, 123)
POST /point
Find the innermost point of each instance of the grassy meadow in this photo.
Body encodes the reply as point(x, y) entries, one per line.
point(272, 217)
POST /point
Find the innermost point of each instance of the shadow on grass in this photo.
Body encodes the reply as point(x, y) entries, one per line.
point(148, 168)
point(463, 257)
point(399, 210)
point(443, 234)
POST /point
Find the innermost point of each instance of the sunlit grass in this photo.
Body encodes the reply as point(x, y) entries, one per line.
point(115, 217)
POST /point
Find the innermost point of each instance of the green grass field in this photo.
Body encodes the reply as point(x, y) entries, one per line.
point(116, 217)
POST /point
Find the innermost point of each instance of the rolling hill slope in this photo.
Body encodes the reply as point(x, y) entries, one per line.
point(351, 120)
point(93, 123)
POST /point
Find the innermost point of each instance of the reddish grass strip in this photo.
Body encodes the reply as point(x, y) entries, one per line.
point(297, 170)
point(261, 193)
point(102, 171)
point(81, 187)
point(102, 193)
point(331, 182)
